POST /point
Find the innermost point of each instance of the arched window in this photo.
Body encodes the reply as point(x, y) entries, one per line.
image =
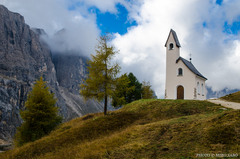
point(180, 72)
point(202, 89)
point(198, 88)
point(171, 46)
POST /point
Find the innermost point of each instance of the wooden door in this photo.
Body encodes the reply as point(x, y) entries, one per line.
point(180, 92)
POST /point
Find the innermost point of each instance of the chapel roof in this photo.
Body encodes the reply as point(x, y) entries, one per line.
point(191, 67)
point(175, 38)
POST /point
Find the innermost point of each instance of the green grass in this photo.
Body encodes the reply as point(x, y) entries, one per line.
point(233, 97)
point(142, 129)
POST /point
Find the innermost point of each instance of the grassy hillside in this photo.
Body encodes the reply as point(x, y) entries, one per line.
point(142, 129)
point(233, 97)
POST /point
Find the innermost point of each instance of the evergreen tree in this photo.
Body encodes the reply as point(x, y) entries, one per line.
point(102, 73)
point(40, 116)
point(136, 94)
point(147, 92)
point(121, 91)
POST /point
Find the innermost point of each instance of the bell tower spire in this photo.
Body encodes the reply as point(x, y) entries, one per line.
point(172, 47)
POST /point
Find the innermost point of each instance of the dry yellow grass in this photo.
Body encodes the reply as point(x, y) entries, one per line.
point(142, 129)
point(233, 97)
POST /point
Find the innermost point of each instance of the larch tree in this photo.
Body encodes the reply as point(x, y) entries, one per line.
point(147, 92)
point(40, 116)
point(102, 73)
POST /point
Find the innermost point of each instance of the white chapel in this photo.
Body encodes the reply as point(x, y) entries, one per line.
point(183, 80)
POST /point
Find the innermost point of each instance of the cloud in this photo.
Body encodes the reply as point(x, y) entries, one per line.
point(54, 15)
point(103, 6)
point(76, 16)
point(200, 29)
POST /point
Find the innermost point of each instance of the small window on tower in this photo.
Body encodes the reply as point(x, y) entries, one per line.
point(171, 46)
point(180, 72)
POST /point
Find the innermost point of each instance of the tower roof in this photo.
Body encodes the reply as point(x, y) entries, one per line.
point(191, 67)
point(175, 38)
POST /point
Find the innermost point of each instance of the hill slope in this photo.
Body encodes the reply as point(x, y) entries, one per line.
point(233, 97)
point(142, 129)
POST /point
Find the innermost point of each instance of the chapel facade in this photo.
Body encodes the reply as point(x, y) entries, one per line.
point(183, 80)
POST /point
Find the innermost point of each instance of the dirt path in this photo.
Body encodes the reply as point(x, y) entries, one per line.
point(224, 103)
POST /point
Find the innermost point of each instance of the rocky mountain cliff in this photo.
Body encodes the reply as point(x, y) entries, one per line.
point(24, 57)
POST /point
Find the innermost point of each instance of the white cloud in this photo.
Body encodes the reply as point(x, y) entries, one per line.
point(53, 15)
point(142, 48)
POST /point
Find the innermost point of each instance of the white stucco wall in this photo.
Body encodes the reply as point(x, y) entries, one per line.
point(201, 91)
point(173, 80)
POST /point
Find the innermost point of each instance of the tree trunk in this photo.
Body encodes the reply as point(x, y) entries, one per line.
point(106, 80)
point(105, 105)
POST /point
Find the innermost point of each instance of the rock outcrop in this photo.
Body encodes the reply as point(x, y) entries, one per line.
point(70, 70)
point(24, 57)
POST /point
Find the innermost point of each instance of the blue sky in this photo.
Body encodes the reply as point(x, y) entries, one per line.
point(114, 23)
point(119, 22)
point(219, 2)
point(208, 29)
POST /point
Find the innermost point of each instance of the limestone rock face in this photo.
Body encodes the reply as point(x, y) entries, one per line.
point(21, 54)
point(71, 70)
point(24, 57)
point(13, 93)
